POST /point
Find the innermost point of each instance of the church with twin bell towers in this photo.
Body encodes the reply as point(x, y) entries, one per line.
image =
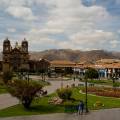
point(15, 58)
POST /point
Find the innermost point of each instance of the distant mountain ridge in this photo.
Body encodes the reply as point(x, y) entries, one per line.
point(73, 55)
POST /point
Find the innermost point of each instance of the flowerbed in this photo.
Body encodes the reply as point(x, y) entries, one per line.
point(107, 92)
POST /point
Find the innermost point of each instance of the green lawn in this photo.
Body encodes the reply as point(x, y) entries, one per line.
point(41, 106)
point(2, 89)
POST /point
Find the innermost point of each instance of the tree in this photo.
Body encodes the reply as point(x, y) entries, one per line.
point(24, 91)
point(91, 73)
point(7, 76)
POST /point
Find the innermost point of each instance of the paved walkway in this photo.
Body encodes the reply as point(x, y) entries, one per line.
point(6, 100)
point(111, 114)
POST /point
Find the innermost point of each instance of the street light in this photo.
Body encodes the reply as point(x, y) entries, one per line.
point(86, 97)
point(61, 79)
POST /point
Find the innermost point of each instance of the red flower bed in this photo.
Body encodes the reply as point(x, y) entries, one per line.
point(107, 92)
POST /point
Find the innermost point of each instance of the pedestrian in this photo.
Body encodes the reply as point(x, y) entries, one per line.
point(81, 107)
point(74, 78)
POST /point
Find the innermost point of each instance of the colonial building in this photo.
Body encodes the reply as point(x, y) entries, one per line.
point(41, 65)
point(15, 58)
point(62, 66)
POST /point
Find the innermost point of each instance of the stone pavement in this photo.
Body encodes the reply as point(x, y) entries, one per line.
point(108, 114)
point(6, 100)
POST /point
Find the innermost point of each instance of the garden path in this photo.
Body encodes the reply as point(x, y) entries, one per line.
point(6, 100)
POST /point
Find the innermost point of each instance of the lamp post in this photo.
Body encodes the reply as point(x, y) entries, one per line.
point(86, 97)
point(61, 82)
point(28, 77)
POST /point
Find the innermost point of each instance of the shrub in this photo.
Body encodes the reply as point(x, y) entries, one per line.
point(24, 91)
point(64, 93)
point(7, 76)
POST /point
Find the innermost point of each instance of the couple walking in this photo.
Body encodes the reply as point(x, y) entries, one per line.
point(81, 107)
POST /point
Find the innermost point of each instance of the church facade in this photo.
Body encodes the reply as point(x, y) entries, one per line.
point(15, 58)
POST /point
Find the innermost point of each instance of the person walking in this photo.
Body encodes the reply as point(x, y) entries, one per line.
point(81, 107)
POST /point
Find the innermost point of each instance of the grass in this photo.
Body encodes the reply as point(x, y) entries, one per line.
point(41, 105)
point(3, 89)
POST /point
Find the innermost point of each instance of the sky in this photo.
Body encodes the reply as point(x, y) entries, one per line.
point(61, 24)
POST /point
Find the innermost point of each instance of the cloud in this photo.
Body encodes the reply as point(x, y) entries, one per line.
point(115, 43)
point(76, 21)
point(72, 14)
point(45, 31)
point(112, 6)
point(61, 23)
point(11, 30)
point(16, 2)
point(96, 39)
point(21, 12)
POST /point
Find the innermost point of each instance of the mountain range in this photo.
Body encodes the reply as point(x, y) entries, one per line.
point(74, 55)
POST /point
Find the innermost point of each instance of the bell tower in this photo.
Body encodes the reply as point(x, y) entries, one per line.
point(6, 46)
point(25, 54)
point(6, 55)
point(25, 46)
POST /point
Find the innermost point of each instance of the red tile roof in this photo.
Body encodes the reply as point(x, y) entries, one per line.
point(62, 63)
